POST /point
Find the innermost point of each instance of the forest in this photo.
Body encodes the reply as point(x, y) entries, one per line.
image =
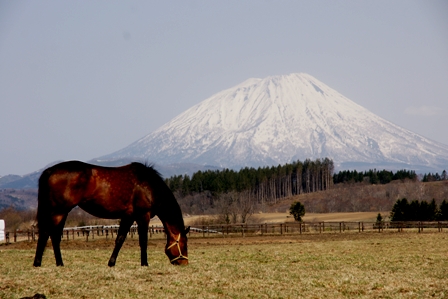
point(267, 184)
point(430, 177)
point(419, 211)
point(373, 176)
point(233, 195)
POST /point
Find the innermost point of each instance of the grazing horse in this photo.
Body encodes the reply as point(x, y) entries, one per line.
point(134, 192)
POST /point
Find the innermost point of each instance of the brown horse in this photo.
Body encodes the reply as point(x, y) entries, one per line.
point(134, 192)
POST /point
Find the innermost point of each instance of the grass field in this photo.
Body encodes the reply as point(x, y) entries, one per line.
point(286, 217)
point(347, 265)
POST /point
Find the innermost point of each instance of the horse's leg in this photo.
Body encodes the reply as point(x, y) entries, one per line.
point(125, 225)
point(56, 235)
point(41, 243)
point(53, 229)
point(143, 225)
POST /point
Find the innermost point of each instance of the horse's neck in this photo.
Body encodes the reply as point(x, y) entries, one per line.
point(170, 214)
point(173, 224)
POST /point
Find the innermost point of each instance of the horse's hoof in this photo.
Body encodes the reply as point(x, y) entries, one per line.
point(111, 264)
point(36, 296)
point(145, 265)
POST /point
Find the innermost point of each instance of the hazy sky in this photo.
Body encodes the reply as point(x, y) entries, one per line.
point(81, 79)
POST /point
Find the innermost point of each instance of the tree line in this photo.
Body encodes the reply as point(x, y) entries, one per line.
point(430, 177)
point(234, 194)
point(419, 211)
point(264, 184)
point(272, 183)
point(373, 176)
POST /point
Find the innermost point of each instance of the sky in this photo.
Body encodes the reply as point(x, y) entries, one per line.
point(82, 79)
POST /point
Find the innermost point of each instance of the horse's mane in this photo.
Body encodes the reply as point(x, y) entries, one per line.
point(167, 205)
point(146, 171)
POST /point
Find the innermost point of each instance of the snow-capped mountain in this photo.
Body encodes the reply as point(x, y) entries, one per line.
point(271, 121)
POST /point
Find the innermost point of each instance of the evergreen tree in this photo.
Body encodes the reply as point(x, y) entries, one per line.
point(432, 211)
point(443, 211)
point(399, 210)
point(297, 210)
point(413, 211)
point(379, 219)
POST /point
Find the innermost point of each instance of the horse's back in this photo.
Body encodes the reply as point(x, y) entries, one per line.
point(106, 192)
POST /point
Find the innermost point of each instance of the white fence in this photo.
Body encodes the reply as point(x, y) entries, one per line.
point(2, 229)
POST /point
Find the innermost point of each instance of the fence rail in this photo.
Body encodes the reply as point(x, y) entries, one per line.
point(242, 230)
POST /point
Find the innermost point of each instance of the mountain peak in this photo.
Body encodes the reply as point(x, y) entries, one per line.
point(279, 119)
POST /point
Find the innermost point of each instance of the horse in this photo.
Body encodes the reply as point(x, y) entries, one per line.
point(134, 192)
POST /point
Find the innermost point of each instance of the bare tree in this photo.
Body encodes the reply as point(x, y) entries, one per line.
point(246, 203)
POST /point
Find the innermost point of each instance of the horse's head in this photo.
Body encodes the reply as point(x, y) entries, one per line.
point(176, 248)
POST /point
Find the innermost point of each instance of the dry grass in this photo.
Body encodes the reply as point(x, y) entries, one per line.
point(348, 265)
point(286, 217)
point(365, 197)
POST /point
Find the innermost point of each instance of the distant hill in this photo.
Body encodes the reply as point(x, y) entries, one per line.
point(280, 119)
point(19, 199)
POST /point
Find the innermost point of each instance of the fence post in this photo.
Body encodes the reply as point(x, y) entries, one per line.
point(15, 236)
point(281, 228)
point(242, 230)
point(300, 227)
point(340, 227)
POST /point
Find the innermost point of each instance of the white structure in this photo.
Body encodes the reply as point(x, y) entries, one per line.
point(2, 229)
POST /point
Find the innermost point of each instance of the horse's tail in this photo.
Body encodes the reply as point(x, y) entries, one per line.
point(43, 202)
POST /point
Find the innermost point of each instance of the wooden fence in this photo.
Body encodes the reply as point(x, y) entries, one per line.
point(242, 230)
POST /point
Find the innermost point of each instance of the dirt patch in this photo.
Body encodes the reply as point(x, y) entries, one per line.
point(130, 243)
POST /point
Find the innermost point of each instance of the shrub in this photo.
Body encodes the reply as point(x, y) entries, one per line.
point(297, 210)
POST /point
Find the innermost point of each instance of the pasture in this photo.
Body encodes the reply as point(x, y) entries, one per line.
point(332, 265)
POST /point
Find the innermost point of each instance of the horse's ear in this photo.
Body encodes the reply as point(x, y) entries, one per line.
point(187, 230)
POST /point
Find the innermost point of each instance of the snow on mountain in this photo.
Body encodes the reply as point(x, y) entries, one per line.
point(271, 121)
